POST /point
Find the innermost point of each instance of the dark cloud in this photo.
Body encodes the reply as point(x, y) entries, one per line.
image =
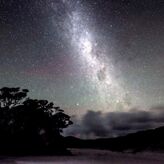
point(94, 123)
point(97, 124)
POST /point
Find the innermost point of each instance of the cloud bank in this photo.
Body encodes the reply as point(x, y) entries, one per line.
point(97, 124)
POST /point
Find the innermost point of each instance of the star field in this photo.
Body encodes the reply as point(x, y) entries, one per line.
point(85, 55)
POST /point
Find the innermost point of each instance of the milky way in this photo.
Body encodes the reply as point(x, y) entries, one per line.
point(94, 62)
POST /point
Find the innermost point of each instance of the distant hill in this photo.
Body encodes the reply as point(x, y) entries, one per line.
point(151, 140)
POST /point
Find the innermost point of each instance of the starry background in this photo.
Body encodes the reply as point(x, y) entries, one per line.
point(102, 55)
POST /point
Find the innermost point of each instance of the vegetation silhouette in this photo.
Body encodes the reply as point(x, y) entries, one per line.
point(30, 126)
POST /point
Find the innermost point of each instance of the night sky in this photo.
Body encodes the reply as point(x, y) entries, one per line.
point(97, 56)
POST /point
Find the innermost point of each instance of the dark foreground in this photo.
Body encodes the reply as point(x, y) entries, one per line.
point(89, 156)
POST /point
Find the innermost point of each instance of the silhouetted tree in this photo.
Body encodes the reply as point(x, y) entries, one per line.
point(30, 123)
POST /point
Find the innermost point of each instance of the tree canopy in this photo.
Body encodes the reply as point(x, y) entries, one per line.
point(30, 123)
